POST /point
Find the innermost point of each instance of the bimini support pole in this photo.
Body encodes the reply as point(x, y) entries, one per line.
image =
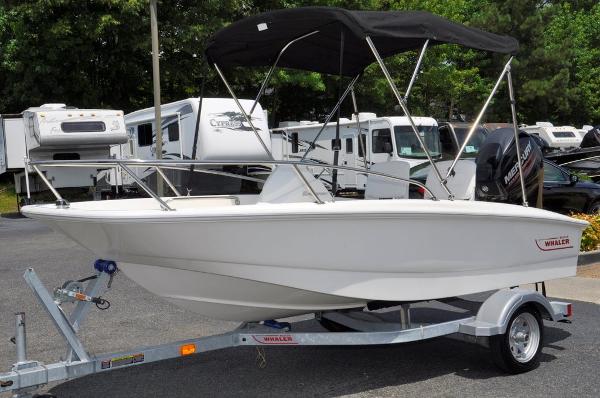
point(416, 71)
point(333, 112)
point(27, 179)
point(513, 110)
point(60, 202)
point(478, 119)
point(246, 116)
point(361, 144)
point(270, 73)
point(402, 104)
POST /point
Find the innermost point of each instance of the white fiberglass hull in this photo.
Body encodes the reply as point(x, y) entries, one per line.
point(262, 261)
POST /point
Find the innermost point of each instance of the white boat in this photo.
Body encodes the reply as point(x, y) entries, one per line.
point(256, 261)
point(293, 249)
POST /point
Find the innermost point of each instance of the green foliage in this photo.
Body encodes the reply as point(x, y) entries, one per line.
point(97, 53)
point(8, 198)
point(590, 239)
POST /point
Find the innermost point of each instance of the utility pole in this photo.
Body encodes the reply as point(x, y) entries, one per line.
point(156, 86)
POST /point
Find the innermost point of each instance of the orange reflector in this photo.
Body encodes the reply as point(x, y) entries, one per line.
point(80, 296)
point(187, 349)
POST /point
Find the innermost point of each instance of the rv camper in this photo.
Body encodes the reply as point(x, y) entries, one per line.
point(57, 132)
point(222, 134)
point(380, 139)
point(561, 137)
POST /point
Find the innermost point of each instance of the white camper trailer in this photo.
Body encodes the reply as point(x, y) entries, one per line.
point(380, 139)
point(56, 132)
point(562, 137)
point(223, 134)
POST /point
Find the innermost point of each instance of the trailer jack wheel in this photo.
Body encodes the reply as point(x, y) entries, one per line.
point(518, 349)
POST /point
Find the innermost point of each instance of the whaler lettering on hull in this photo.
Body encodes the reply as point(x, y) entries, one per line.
point(547, 244)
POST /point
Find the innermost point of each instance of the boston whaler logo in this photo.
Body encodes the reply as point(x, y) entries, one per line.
point(230, 121)
point(282, 339)
point(561, 242)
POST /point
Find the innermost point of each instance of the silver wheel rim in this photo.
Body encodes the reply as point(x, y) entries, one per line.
point(524, 337)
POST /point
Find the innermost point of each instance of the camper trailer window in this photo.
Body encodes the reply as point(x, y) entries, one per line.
point(83, 127)
point(173, 131)
point(362, 145)
point(563, 134)
point(349, 145)
point(294, 142)
point(145, 134)
point(66, 156)
point(409, 146)
point(381, 137)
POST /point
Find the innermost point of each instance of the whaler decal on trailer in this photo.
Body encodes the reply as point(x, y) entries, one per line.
point(561, 242)
point(281, 339)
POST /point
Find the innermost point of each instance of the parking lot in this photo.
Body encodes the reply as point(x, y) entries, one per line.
point(440, 367)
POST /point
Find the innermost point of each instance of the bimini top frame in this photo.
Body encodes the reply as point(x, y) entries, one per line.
point(308, 38)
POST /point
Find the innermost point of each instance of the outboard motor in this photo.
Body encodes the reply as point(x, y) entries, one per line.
point(591, 138)
point(497, 176)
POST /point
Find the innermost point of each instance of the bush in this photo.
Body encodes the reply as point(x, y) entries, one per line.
point(590, 239)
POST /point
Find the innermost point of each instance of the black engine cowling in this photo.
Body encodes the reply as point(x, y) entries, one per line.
point(497, 177)
point(591, 138)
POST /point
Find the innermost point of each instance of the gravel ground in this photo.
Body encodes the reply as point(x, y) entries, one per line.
point(440, 367)
point(589, 271)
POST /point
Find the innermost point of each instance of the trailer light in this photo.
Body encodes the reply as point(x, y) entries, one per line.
point(187, 349)
point(569, 310)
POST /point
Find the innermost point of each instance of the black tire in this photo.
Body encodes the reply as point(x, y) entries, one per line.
point(500, 345)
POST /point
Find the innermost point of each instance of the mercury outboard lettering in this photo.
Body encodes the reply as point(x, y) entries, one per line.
point(515, 168)
point(497, 176)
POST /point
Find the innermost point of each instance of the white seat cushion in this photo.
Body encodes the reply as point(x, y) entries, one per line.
point(385, 188)
point(461, 184)
point(285, 186)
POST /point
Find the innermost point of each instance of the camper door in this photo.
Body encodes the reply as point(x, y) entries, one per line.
point(381, 142)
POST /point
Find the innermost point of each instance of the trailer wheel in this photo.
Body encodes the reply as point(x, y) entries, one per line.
point(518, 349)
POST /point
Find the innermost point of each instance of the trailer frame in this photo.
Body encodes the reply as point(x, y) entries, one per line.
point(27, 376)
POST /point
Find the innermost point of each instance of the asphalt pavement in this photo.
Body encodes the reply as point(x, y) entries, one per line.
point(441, 367)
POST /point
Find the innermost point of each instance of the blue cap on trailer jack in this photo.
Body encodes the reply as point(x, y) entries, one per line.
point(108, 266)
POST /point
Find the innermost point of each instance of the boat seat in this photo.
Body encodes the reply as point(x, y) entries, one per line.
point(461, 184)
point(385, 188)
point(285, 186)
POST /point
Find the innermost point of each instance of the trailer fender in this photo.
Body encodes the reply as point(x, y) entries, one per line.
point(495, 312)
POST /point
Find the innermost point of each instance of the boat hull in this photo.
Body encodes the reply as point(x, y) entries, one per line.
point(255, 262)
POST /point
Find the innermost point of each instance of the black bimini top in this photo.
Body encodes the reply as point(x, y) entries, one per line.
point(257, 40)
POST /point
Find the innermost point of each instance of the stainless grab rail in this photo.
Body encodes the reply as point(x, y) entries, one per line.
point(172, 164)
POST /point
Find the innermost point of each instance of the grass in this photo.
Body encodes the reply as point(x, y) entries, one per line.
point(8, 198)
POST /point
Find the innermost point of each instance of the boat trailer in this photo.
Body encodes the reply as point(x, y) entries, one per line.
point(510, 320)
